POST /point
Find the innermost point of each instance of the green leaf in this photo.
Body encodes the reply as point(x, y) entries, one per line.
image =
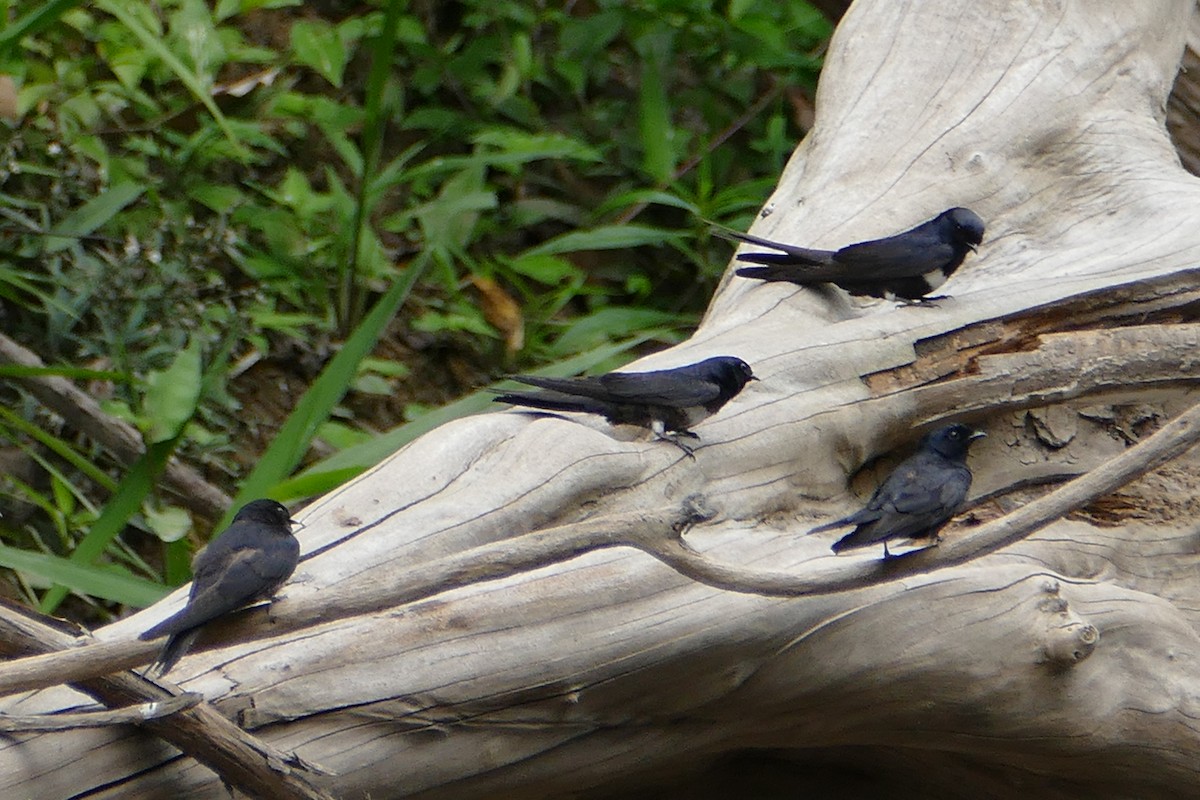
point(313, 409)
point(344, 465)
point(106, 582)
point(351, 298)
point(126, 14)
point(546, 269)
point(172, 394)
point(649, 197)
point(612, 323)
point(316, 44)
point(654, 112)
point(221, 198)
point(536, 146)
point(168, 523)
point(39, 17)
point(124, 503)
point(607, 237)
point(92, 214)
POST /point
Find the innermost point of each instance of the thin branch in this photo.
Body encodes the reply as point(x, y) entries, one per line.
point(243, 761)
point(1171, 441)
point(85, 415)
point(87, 658)
point(18, 723)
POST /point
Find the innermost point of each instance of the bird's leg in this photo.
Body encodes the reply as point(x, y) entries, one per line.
point(886, 553)
point(660, 432)
point(929, 301)
point(691, 452)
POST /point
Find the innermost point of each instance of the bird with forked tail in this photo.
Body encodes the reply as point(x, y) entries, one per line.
point(666, 401)
point(908, 265)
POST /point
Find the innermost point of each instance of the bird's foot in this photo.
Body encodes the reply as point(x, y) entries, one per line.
point(675, 440)
point(928, 301)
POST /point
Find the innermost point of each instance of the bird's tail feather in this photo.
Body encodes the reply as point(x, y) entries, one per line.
point(175, 649)
point(847, 542)
point(170, 625)
point(553, 401)
point(828, 526)
point(778, 268)
point(788, 251)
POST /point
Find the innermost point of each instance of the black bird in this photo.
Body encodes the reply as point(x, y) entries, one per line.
point(663, 400)
point(920, 495)
point(908, 265)
point(248, 562)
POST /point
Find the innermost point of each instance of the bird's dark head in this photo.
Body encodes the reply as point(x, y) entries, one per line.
point(730, 373)
point(267, 512)
point(952, 441)
point(968, 227)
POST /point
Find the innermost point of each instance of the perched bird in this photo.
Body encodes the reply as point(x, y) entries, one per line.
point(248, 562)
point(920, 495)
point(667, 400)
point(908, 265)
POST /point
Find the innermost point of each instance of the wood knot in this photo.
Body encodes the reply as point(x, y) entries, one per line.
point(1068, 644)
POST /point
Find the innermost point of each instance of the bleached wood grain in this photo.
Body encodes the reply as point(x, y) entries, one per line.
point(610, 669)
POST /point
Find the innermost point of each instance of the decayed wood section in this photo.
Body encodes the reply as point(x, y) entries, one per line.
point(1063, 664)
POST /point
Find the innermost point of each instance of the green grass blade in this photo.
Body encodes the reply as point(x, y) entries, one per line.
point(605, 237)
point(314, 408)
point(63, 371)
point(124, 503)
point(345, 464)
point(153, 43)
point(654, 110)
point(104, 582)
point(42, 16)
point(92, 214)
point(61, 448)
point(351, 295)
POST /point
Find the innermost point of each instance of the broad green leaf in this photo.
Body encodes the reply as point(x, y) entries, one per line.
point(536, 146)
point(648, 197)
point(168, 523)
point(172, 394)
point(612, 323)
point(221, 198)
point(314, 407)
point(607, 237)
point(343, 465)
point(316, 44)
point(92, 214)
point(106, 582)
point(124, 503)
point(546, 269)
point(654, 111)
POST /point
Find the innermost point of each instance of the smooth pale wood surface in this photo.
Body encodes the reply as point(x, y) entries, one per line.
point(610, 670)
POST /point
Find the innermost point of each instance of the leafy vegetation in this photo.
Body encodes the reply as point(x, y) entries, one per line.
point(220, 215)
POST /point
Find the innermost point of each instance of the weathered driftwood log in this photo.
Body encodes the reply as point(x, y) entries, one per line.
point(1064, 664)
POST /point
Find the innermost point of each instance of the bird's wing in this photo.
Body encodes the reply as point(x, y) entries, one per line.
point(239, 565)
point(923, 496)
point(579, 387)
point(674, 388)
point(905, 255)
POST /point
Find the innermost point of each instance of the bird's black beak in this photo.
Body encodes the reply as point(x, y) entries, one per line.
point(974, 247)
point(754, 378)
point(295, 523)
